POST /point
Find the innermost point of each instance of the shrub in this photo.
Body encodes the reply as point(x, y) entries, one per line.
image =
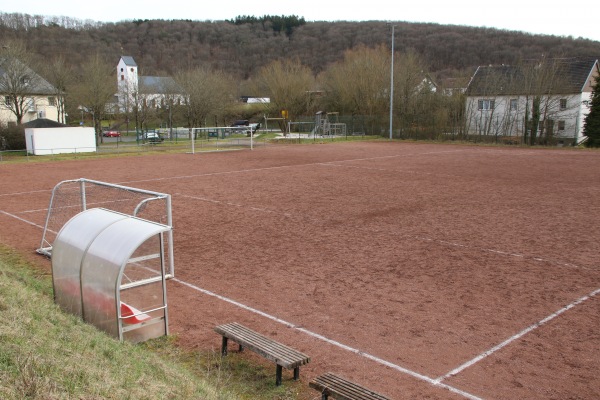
point(12, 137)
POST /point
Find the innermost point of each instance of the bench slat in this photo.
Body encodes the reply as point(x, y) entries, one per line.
point(270, 349)
point(342, 389)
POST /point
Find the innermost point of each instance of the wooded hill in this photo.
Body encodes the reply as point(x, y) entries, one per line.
point(243, 45)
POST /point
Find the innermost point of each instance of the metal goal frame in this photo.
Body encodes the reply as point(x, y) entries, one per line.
point(83, 195)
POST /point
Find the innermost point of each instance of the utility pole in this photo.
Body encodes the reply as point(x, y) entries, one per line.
point(392, 86)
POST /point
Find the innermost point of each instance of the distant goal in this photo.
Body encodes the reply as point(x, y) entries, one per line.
point(71, 197)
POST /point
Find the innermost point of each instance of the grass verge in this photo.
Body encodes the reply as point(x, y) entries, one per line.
point(47, 354)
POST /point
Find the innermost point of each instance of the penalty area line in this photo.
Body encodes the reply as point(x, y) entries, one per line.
point(320, 337)
point(516, 337)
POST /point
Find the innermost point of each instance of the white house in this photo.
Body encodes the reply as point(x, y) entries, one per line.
point(136, 91)
point(38, 97)
point(547, 101)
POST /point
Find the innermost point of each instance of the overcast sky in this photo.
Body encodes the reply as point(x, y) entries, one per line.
point(571, 18)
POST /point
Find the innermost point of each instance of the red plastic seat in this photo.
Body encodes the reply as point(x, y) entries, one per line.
point(128, 311)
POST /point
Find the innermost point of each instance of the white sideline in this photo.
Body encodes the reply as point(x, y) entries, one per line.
point(331, 341)
point(517, 336)
point(21, 219)
point(435, 382)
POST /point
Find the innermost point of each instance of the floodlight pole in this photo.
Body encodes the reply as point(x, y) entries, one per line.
point(392, 86)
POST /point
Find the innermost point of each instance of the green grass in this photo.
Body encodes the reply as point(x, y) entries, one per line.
point(114, 149)
point(47, 354)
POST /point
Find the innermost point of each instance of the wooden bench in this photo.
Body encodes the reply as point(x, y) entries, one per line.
point(280, 354)
point(341, 389)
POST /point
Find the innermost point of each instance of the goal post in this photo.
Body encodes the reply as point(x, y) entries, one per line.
point(71, 197)
point(218, 137)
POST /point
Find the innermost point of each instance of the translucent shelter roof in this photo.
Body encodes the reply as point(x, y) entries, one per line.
point(89, 256)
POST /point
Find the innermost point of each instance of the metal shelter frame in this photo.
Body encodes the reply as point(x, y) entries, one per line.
point(109, 269)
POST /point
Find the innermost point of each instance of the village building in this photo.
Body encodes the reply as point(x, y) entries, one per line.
point(135, 91)
point(544, 103)
point(35, 96)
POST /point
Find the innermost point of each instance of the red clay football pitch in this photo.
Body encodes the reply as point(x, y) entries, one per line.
point(417, 270)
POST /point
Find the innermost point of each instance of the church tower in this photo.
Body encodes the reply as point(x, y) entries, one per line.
point(127, 82)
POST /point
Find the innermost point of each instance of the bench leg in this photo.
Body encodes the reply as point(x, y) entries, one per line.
point(224, 346)
point(241, 348)
point(296, 373)
point(324, 396)
point(278, 375)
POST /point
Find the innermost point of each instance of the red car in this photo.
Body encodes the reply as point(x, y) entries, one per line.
point(111, 134)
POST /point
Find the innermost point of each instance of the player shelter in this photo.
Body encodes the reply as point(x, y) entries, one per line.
point(109, 268)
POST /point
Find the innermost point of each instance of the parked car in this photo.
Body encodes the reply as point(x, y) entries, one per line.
point(153, 137)
point(251, 127)
point(111, 134)
point(240, 122)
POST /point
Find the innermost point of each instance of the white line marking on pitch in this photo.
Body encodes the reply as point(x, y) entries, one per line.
point(422, 238)
point(502, 253)
point(21, 219)
point(436, 382)
point(330, 341)
point(515, 337)
point(306, 331)
point(287, 166)
point(30, 192)
point(265, 210)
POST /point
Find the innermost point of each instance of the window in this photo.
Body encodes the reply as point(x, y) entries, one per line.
point(131, 69)
point(52, 101)
point(513, 104)
point(7, 100)
point(563, 104)
point(486, 104)
point(122, 77)
point(121, 69)
point(561, 125)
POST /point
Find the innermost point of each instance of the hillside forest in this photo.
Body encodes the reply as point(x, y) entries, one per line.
point(253, 56)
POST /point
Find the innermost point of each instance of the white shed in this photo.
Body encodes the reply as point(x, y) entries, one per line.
point(44, 141)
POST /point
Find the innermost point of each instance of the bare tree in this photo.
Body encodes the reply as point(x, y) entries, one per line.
point(171, 100)
point(143, 106)
point(206, 92)
point(358, 84)
point(94, 90)
point(414, 94)
point(547, 98)
point(59, 73)
point(18, 81)
point(288, 83)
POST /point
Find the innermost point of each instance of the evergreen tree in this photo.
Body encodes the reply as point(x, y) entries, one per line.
point(591, 128)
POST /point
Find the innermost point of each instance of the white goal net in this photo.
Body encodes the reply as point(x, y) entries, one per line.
point(71, 197)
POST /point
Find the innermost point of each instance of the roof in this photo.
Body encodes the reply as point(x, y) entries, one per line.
point(129, 61)
point(562, 77)
point(43, 123)
point(454, 83)
point(153, 84)
point(35, 84)
point(158, 85)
